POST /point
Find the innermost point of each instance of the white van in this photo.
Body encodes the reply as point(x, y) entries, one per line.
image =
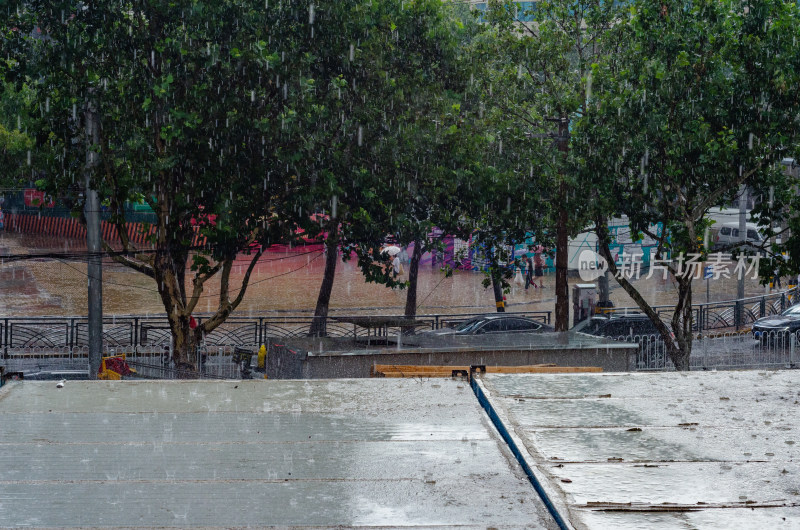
point(727, 235)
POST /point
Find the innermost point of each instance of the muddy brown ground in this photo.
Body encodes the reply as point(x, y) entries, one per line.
point(280, 282)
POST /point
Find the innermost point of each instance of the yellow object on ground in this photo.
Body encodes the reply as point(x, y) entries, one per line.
point(262, 356)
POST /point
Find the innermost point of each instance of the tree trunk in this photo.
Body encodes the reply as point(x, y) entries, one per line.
point(320, 323)
point(497, 287)
point(184, 346)
point(682, 321)
point(679, 346)
point(413, 273)
point(562, 239)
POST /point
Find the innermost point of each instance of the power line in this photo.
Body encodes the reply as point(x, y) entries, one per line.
point(81, 255)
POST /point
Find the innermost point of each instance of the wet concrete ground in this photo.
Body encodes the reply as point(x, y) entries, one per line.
point(236, 454)
point(659, 451)
point(281, 282)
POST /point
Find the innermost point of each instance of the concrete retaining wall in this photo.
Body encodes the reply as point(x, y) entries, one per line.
point(290, 361)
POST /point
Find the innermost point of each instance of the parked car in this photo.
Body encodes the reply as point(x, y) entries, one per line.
point(632, 327)
point(777, 327)
point(489, 324)
point(616, 325)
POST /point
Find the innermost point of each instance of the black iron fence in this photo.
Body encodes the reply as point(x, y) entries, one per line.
point(721, 351)
point(729, 314)
point(68, 336)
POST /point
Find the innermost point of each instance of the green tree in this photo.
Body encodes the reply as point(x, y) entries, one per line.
point(206, 111)
point(541, 84)
point(372, 122)
point(15, 141)
point(697, 100)
point(426, 150)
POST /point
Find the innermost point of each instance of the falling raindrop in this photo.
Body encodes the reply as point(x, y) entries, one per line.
point(360, 136)
point(29, 158)
point(352, 53)
point(334, 205)
point(311, 13)
point(750, 141)
point(253, 96)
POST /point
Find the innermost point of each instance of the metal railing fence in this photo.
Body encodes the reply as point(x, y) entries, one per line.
point(68, 337)
point(723, 351)
point(152, 362)
point(729, 314)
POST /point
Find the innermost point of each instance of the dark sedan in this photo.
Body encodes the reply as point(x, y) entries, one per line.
point(490, 324)
point(778, 326)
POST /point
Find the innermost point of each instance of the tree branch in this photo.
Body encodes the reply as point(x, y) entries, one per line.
point(227, 307)
point(139, 266)
point(198, 282)
point(713, 197)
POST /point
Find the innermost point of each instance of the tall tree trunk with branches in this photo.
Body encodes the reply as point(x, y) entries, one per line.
point(413, 276)
point(320, 323)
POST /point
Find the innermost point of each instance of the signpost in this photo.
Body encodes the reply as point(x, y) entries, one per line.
point(708, 273)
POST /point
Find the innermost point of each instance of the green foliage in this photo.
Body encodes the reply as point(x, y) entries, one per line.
point(16, 142)
point(693, 104)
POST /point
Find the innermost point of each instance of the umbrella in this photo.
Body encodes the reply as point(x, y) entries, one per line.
point(392, 250)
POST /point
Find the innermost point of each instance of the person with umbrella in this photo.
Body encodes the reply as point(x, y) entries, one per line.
point(394, 253)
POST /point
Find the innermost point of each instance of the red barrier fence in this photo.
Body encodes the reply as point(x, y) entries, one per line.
point(71, 228)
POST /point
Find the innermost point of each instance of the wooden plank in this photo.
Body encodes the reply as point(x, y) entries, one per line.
point(440, 368)
point(415, 374)
point(447, 371)
point(419, 367)
point(542, 369)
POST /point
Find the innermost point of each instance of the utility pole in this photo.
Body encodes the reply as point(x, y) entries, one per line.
point(562, 238)
point(743, 239)
point(94, 260)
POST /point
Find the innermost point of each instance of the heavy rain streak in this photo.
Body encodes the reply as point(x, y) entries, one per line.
point(394, 263)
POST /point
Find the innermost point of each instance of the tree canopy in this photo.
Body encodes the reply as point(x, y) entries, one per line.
point(212, 113)
point(697, 100)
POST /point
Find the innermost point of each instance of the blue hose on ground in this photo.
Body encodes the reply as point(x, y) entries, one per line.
point(501, 428)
